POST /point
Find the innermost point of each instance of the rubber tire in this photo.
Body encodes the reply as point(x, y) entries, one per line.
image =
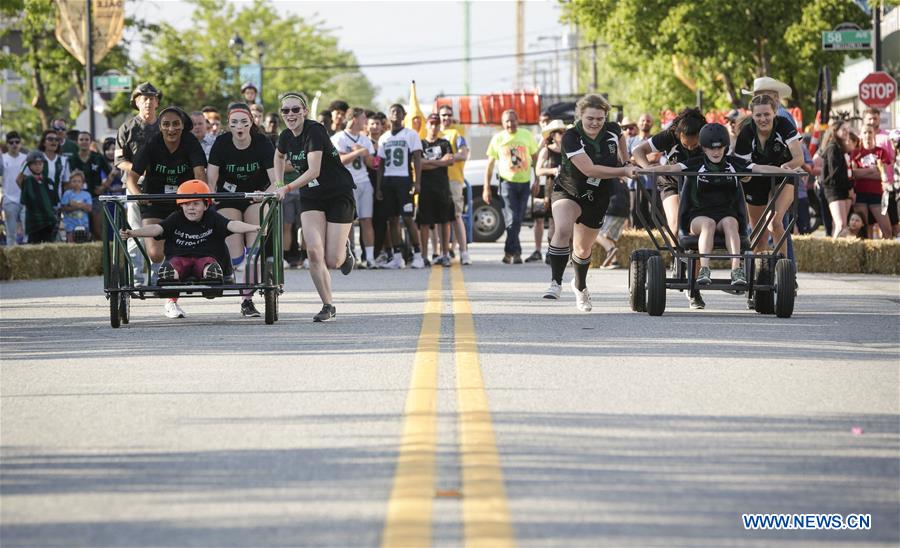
point(637, 278)
point(656, 286)
point(785, 288)
point(271, 298)
point(764, 301)
point(114, 283)
point(124, 308)
point(481, 209)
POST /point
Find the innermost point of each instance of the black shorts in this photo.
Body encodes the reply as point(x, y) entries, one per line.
point(833, 194)
point(240, 205)
point(157, 210)
point(669, 186)
point(868, 198)
point(758, 190)
point(396, 196)
point(339, 208)
point(593, 204)
point(435, 206)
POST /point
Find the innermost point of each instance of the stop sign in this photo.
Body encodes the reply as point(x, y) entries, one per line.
point(878, 90)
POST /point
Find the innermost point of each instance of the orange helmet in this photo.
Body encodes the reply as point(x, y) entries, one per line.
point(194, 186)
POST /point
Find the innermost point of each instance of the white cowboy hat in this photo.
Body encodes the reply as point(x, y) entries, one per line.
point(769, 84)
point(554, 125)
point(626, 121)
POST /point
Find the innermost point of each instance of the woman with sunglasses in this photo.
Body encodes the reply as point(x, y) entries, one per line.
point(169, 158)
point(242, 161)
point(327, 206)
point(56, 166)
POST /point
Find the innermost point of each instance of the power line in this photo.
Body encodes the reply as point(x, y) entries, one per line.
point(429, 61)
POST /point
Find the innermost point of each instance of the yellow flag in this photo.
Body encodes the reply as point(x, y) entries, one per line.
point(415, 118)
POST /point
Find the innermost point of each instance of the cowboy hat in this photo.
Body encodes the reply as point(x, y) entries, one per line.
point(554, 125)
point(626, 121)
point(769, 84)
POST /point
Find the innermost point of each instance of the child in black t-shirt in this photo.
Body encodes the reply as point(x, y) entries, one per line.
point(714, 204)
point(194, 240)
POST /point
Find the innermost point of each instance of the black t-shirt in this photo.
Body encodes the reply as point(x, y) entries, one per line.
point(776, 150)
point(602, 151)
point(435, 150)
point(834, 168)
point(205, 238)
point(333, 176)
point(242, 170)
point(714, 193)
point(93, 169)
point(667, 143)
point(133, 136)
point(163, 170)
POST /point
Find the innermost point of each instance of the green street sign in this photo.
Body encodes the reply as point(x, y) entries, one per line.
point(846, 39)
point(112, 83)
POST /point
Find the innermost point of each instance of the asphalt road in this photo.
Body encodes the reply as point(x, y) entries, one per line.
point(411, 421)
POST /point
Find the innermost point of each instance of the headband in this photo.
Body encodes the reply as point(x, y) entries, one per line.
point(294, 95)
point(240, 109)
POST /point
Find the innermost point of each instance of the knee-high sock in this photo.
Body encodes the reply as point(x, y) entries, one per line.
point(559, 257)
point(581, 270)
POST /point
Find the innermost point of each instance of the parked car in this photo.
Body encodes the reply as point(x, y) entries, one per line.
point(487, 219)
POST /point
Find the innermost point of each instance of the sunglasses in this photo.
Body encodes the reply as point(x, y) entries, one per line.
point(57, 128)
point(13, 142)
point(294, 110)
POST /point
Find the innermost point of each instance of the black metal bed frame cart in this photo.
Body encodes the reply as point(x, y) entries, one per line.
point(771, 277)
point(118, 266)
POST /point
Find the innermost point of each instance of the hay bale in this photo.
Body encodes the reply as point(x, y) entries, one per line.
point(882, 256)
point(57, 260)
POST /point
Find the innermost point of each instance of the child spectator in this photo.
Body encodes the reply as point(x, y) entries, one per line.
point(855, 229)
point(195, 240)
point(76, 206)
point(870, 182)
point(715, 202)
point(41, 221)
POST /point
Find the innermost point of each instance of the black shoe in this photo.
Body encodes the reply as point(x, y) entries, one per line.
point(213, 273)
point(326, 314)
point(248, 310)
point(517, 259)
point(535, 257)
point(166, 273)
point(349, 261)
point(696, 301)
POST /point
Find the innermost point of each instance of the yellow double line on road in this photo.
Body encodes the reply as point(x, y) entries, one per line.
point(484, 508)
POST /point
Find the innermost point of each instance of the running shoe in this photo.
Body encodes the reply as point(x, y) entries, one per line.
point(464, 258)
point(445, 260)
point(435, 258)
point(349, 261)
point(507, 259)
point(172, 310)
point(248, 310)
point(418, 261)
point(381, 260)
point(326, 314)
point(213, 273)
point(452, 254)
point(517, 259)
point(535, 257)
point(704, 277)
point(696, 300)
point(166, 273)
point(305, 265)
point(738, 278)
point(395, 263)
point(553, 291)
point(368, 265)
point(582, 298)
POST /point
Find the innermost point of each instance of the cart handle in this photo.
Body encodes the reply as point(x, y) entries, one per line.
point(172, 197)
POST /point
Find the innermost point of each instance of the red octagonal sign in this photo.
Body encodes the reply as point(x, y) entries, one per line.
point(878, 90)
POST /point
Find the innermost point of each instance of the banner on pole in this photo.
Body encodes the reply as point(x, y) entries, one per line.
point(108, 26)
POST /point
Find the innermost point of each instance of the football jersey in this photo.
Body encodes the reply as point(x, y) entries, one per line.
point(396, 150)
point(344, 143)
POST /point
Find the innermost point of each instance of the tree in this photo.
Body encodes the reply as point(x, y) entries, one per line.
point(54, 80)
point(196, 67)
point(666, 50)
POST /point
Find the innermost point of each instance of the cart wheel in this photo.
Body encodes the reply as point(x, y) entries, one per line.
point(764, 299)
point(114, 298)
point(785, 289)
point(271, 298)
point(656, 286)
point(125, 308)
point(275, 298)
point(637, 278)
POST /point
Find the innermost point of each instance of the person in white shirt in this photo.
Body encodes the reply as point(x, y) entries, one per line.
point(13, 164)
point(356, 152)
point(394, 187)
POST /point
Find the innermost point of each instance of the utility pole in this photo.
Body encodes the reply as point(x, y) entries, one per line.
point(876, 38)
point(467, 46)
point(594, 75)
point(520, 44)
point(89, 67)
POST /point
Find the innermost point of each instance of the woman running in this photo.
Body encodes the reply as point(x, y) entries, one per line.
point(170, 158)
point(593, 153)
point(327, 206)
point(242, 161)
point(768, 139)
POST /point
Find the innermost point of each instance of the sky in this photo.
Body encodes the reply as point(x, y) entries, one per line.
point(492, 33)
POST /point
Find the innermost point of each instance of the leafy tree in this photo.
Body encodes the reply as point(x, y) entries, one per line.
point(666, 50)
